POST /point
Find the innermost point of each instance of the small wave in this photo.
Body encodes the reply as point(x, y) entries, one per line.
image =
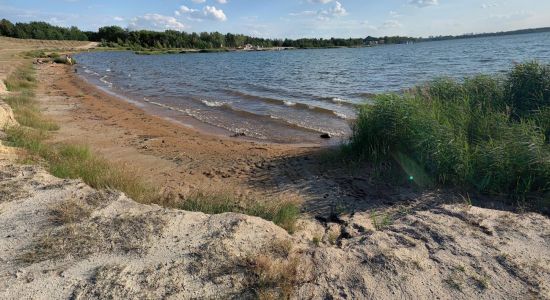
point(339, 100)
point(340, 115)
point(88, 71)
point(108, 70)
point(289, 103)
point(159, 104)
point(212, 103)
point(104, 80)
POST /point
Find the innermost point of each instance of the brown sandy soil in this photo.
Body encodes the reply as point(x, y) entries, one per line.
point(179, 158)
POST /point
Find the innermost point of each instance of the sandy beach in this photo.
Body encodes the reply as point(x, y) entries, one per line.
point(180, 158)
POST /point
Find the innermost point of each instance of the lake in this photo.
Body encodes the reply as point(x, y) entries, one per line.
point(293, 96)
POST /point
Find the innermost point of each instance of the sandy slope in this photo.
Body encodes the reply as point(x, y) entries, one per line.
point(60, 239)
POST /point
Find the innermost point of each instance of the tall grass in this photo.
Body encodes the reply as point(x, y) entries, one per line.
point(491, 134)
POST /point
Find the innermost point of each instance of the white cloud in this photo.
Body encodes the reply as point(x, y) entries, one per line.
point(208, 12)
point(155, 22)
point(320, 1)
point(423, 3)
point(221, 1)
point(337, 10)
point(489, 5)
point(213, 12)
point(395, 14)
point(118, 19)
point(199, 1)
point(391, 24)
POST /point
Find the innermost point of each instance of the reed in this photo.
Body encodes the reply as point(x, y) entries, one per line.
point(487, 133)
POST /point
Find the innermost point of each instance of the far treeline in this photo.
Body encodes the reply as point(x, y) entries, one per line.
point(115, 36)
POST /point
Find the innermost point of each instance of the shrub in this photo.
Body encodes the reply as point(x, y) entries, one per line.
point(487, 133)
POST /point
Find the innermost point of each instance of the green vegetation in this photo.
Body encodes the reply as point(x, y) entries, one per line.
point(283, 212)
point(20, 79)
point(40, 31)
point(489, 134)
point(144, 41)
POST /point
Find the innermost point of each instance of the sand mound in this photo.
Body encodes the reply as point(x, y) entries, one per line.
point(62, 239)
point(443, 252)
point(6, 115)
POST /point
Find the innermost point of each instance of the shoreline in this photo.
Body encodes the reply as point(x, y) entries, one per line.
point(171, 154)
point(181, 118)
point(191, 122)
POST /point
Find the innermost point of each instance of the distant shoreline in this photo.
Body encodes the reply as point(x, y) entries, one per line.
point(144, 41)
point(159, 51)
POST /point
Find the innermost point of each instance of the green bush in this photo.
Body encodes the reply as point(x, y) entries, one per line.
point(487, 133)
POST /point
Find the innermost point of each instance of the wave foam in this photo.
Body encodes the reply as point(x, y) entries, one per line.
point(212, 103)
point(104, 80)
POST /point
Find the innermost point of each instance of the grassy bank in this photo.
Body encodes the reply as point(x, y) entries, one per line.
point(64, 161)
point(490, 134)
point(77, 161)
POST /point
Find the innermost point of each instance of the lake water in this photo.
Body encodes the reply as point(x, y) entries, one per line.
point(293, 96)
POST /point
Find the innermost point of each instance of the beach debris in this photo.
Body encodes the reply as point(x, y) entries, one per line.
point(238, 134)
point(326, 136)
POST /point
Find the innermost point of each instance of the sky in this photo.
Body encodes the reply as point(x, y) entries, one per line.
point(289, 18)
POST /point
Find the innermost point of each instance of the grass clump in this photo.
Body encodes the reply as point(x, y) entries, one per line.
point(284, 212)
point(78, 162)
point(22, 82)
point(20, 79)
point(486, 133)
point(27, 112)
point(275, 273)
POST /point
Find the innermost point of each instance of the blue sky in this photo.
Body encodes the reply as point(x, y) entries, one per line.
point(289, 18)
